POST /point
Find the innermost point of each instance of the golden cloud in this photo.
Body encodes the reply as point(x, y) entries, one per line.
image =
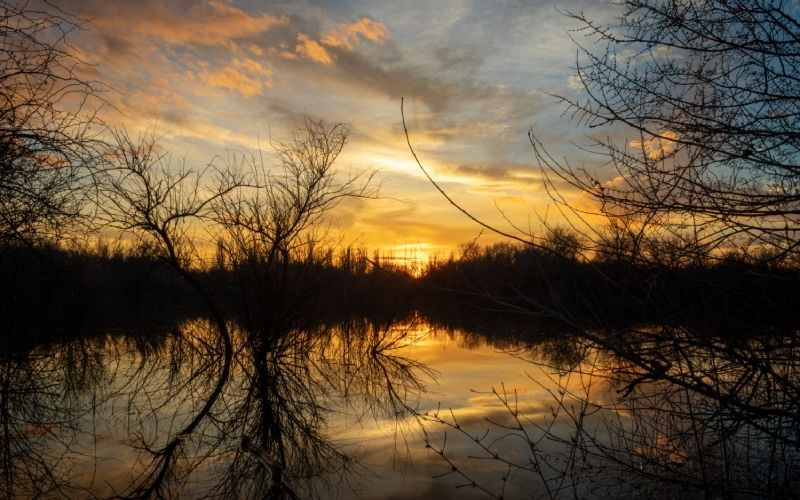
point(658, 147)
point(207, 23)
point(245, 76)
point(346, 35)
point(311, 49)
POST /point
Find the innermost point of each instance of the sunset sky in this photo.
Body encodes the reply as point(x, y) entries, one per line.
point(215, 76)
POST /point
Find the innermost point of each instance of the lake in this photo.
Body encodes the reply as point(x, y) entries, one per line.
point(385, 409)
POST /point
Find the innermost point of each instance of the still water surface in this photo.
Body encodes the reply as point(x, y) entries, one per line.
point(363, 409)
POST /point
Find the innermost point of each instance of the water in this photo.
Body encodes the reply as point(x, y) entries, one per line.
point(363, 409)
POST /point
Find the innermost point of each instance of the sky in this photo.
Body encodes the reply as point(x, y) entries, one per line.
point(213, 76)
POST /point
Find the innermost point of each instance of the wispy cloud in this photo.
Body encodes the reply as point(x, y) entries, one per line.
point(344, 38)
point(245, 76)
point(346, 35)
point(209, 22)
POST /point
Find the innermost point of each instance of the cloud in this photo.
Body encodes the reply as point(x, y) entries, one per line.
point(346, 35)
point(211, 22)
point(658, 147)
point(245, 76)
point(199, 45)
point(353, 74)
point(311, 49)
point(343, 38)
point(575, 82)
point(418, 225)
point(523, 174)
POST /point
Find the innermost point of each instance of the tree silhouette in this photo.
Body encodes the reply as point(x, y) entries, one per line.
point(47, 144)
point(706, 95)
point(698, 102)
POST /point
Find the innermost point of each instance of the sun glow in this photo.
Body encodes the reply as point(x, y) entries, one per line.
point(414, 257)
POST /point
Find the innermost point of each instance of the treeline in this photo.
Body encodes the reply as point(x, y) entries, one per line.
point(271, 297)
point(49, 292)
point(558, 284)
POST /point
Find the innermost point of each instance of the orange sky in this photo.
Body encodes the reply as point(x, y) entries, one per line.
point(210, 76)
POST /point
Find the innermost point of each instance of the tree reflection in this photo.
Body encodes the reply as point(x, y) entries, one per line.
point(46, 396)
point(200, 420)
point(265, 435)
point(281, 407)
point(659, 411)
point(28, 395)
point(663, 411)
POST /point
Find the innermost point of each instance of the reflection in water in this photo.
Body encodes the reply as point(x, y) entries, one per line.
point(379, 409)
point(671, 414)
point(39, 409)
point(185, 417)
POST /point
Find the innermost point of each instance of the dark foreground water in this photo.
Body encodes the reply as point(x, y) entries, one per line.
point(401, 410)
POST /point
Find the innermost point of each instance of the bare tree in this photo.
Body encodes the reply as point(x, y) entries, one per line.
point(160, 203)
point(276, 213)
point(270, 227)
point(698, 104)
point(264, 219)
point(47, 144)
point(706, 94)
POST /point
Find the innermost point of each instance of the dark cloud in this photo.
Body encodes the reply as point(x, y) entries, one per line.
point(354, 73)
point(463, 60)
point(117, 46)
